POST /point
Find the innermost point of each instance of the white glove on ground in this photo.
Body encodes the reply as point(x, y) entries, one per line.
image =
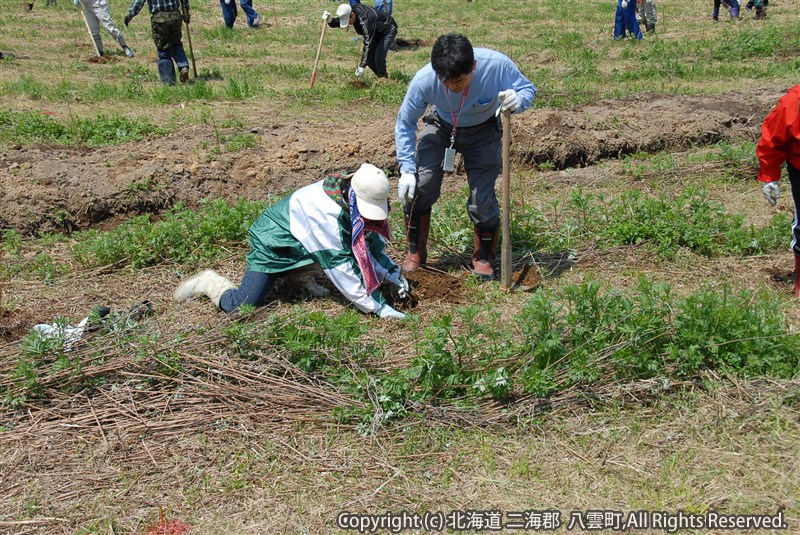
point(388, 313)
point(509, 100)
point(359, 72)
point(326, 15)
point(407, 187)
point(402, 284)
point(772, 191)
point(624, 4)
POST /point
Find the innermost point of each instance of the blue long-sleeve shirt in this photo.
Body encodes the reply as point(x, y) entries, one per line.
point(494, 72)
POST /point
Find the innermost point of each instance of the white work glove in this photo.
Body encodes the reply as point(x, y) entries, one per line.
point(407, 187)
point(772, 191)
point(388, 313)
point(624, 4)
point(509, 100)
point(359, 72)
point(326, 15)
point(401, 282)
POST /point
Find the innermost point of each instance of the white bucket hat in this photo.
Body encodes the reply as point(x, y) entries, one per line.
point(343, 12)
point(372, 192)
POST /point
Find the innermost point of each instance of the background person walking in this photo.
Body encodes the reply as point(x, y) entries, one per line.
point(647, 14)
point(732, 6)
point(166, 19)
point(97, 14)
point(625, 20)
point(229, 13)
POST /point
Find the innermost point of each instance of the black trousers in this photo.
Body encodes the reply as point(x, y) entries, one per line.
point(794, 180)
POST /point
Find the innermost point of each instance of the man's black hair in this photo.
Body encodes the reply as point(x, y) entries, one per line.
point(452, 56)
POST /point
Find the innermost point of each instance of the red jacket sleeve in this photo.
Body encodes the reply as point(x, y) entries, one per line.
point(779, 137)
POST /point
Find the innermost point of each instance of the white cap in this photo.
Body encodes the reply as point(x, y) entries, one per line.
point(343, 12)
point(372, 192)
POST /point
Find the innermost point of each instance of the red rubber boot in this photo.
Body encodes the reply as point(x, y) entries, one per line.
point(485, 252)
point(417, 237)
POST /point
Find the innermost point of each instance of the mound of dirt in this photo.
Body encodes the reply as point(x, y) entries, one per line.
point(15, 324)
point(66, 188)
point(645, 123)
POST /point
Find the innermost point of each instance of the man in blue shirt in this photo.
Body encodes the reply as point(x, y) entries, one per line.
point(465, 88)
point(165, 18)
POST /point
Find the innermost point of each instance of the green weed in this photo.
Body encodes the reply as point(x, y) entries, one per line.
point(582, 332)
point(33, 127)
point(182, 235)
point(234, 143)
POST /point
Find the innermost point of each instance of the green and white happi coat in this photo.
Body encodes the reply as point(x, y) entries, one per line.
point(312, 225)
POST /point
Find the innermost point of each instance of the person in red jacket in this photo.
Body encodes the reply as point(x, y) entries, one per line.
point(779, 143)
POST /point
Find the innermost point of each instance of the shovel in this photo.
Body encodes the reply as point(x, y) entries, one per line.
point(91, 37)
point(191, 50)
point(319, 48)
point(506, 264)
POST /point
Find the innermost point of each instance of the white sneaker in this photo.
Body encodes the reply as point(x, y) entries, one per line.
point(257, 22)
point(128, 51)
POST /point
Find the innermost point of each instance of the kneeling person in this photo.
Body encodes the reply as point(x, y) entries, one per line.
point(339, 223)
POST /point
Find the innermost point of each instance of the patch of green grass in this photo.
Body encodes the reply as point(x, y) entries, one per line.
point(34, 127)
point(234, 143)
point(26, 86)
point(688, 221)
point(182, 235)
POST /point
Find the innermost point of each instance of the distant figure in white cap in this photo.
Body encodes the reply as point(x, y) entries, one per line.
point(378, 29)
point(339, 223)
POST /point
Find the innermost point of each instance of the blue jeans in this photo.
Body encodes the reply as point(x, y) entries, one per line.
point(165, 57)
point(230, 12)
point(625, 21)
point(380, 5)
point(384, 5)
point(252, 291)
point(247, 7)
point(167, 37)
